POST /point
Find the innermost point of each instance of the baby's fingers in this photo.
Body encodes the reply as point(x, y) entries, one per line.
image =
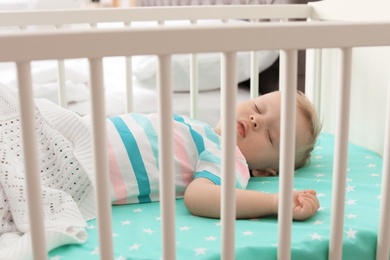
point(313, 192)
point(306, 204)
point(311, 198)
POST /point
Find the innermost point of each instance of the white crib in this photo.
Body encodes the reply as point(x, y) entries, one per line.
point(332, 36)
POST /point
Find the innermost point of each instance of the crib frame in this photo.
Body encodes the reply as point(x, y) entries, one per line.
point(24, 47)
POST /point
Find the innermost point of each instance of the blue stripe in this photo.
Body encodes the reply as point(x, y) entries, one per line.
point(208, 156)
point(212, 135)
point(238, 184)
point(209, 131)
point(197, 138)
point(150, 133)
point(208, 175)
point(214, 178)
point(135, 158)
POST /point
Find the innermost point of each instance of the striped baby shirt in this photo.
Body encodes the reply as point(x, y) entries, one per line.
point(133, 156)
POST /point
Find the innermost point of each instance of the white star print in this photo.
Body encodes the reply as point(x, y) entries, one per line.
point(200, 251)
point(318, 157)
point(158, 218)
point(320, 194)
point(319, 175)
point(351, 202)
point(184, 228)
point(247, 233)
point(210, 238)
point(148, 230)
point(351, 233)
point(95, 251)
point(218, 224)
point(321, 208)
point(121, 258)
point(374, 174)
point(126, 222)
point(379, 197)
point(92, 226)
point(318, 222)
point(318, 148)
point(319, 166)
point(315, 236)
point(135, 246)
point(351, 216)
point(350, 188)
point(138, 210)
point(368, 157)
point(371, 165)
point(349, 180)
point(114, 235)
point(57, 257)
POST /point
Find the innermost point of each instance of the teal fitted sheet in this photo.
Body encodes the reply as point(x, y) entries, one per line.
point(137, 230)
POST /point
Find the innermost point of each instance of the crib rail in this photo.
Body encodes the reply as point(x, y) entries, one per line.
point(26, 46)
point(70, 44)
point(109, 15)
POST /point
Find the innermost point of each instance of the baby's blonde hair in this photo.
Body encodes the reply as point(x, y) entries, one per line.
point(310, 114)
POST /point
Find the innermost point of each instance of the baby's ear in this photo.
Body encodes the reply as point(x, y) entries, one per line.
point(264, 173)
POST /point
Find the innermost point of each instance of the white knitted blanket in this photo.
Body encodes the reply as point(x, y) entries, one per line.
point(65, 164)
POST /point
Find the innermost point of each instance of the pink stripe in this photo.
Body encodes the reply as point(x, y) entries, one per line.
point(117, 181)
point(181, 154)
point(242, 167)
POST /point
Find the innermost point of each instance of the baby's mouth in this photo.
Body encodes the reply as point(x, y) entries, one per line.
point(241, 129)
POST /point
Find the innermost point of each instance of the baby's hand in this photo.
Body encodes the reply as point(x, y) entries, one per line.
point(305, 204)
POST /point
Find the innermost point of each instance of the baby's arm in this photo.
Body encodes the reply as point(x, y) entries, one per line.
point(203, 197)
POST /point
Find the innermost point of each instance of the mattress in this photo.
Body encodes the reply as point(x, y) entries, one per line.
point(137, 231)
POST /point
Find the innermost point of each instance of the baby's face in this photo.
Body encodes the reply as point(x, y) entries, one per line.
point(258, 131)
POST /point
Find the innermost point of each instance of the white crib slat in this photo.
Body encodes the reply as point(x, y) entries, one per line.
point(62, 100)
point(194, 85)
point(167, 179)
point(101, 158)
point(194, 82)
point(228, 106)
point(129, 85)
point(254, 87)
point(30, 153)
point(129, 81)
point(312, 76)
point(288, 87)
point(383, 244)
point(254, 69)
point(340, 156)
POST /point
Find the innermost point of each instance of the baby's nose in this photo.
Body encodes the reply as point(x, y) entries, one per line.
point(253, 119)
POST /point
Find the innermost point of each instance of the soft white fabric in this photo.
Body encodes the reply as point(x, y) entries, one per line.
point(45, 79)
point(209, 67)
point(66, 171)
point(209, 64)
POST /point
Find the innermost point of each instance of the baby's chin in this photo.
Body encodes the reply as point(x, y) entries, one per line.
point(217, 128)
